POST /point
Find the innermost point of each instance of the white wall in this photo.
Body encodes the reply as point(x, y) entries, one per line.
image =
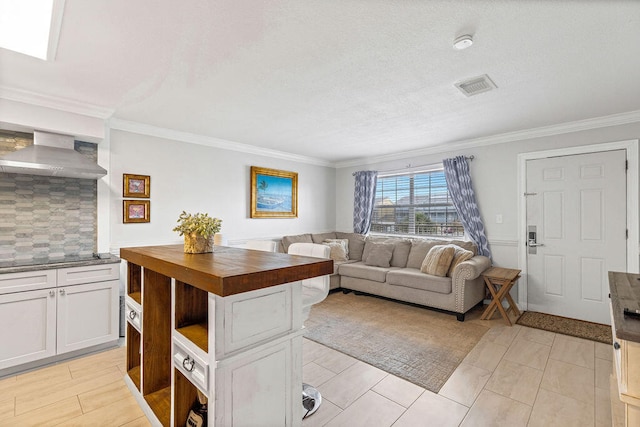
point(494, 175)
point(197, 178)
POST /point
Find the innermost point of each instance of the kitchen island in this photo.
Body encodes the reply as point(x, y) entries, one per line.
point(227, 324)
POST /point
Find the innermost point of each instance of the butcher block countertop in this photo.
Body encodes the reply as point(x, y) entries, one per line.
point(227, 271)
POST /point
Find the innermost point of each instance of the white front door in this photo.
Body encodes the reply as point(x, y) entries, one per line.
point(576, 206)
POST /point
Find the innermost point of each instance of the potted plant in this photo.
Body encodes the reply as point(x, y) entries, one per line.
point(198, 230)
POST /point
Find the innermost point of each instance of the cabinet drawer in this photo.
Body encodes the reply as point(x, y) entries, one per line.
point(88, 274)
point(27, 281)
point(133, 313)
point(192, 366)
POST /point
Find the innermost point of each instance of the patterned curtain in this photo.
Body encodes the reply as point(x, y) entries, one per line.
point(363, 199)
point(456, 171)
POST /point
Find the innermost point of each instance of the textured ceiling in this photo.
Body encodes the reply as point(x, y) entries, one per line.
point(341, 79)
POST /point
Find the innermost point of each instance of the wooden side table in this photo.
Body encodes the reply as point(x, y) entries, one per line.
point(500, 281)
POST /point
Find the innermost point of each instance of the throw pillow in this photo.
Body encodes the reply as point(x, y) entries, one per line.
point(460, 255)
point(343, 242)
point(419, 250)
point(438, 260)
point(338, 253)
point(380, 255)
point(356, 244)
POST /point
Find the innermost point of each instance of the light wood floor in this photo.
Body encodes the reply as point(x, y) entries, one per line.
point(88, 391)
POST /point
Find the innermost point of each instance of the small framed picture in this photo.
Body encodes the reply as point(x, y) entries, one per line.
point(135, 211)
point(136, 186)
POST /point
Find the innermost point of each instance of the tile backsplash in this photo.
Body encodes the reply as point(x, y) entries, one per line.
point(45, 218)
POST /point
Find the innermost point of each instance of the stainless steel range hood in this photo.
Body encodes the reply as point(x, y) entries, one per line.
point(51, 155)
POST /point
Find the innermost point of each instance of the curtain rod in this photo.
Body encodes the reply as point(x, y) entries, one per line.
point(435, 166)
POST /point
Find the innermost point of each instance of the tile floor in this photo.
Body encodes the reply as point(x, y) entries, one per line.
point(515, 376)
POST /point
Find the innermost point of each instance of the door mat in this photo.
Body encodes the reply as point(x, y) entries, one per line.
point(563, 325)
point(419, 345)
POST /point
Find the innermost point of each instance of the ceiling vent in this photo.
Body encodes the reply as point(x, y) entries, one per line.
point(476, 85)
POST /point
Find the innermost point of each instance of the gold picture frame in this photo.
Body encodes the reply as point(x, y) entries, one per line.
point(274, 193)
point(136, 211)
point(136, 186)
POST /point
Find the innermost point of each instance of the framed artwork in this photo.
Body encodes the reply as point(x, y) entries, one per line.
point(135, 211)
point(274, 193)
point(136, 186)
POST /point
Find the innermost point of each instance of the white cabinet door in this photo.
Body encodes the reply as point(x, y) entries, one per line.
point(87, 315)
point(28, 326)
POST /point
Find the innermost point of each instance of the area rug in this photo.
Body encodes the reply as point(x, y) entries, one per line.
point(575, 328)
point(414, 343)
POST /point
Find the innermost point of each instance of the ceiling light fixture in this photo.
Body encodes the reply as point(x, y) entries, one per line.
point(463, 42)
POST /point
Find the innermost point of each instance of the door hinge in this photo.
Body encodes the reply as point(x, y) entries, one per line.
point(627, 233)
point(530, 194)
point(626, 165)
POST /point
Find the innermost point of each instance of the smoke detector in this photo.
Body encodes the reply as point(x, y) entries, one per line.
point(476, 85)
point(463, 42)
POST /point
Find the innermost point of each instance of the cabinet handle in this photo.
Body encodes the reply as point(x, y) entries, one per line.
point(52, 293)
point(189, 364)
point(132, 314)
point(61, 291)
point(616, 345)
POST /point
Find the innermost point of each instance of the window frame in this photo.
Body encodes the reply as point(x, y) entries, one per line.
point(420, 183)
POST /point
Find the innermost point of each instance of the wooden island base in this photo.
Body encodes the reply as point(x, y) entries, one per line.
point(227, 323)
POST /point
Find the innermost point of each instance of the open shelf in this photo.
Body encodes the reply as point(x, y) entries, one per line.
point(156, 344)
point(160, 403)
point(191, 310)
point(133, 354)
point(185, 395)
point(197, 334)
point(134, 282)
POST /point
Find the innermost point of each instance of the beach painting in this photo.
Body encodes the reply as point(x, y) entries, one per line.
point(274, 193)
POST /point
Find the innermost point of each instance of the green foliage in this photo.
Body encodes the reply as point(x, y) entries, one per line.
point(263, 185)
point(423, 218)
point(200, 223)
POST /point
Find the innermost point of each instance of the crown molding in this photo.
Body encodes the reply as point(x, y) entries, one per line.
point(63, 104)
point(562, 128)
point(192, 138)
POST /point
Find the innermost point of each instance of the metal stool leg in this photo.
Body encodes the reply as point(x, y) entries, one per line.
point(311, 399)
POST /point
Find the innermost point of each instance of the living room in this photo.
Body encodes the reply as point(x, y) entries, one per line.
point(391, 109)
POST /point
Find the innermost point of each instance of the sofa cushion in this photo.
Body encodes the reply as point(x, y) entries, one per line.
point(438, 260)
point(401, 250)
point(414, 278)
point(338, 251)
point(465, 244)
point(300, 238)
point(379, 255)
point(321, 237)
point(356, 244)
point(361, 271)
point(460, 255)
point(337, 264)
point(419, 250)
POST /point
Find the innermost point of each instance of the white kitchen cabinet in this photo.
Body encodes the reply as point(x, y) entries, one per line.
point(77, 308)
point(87, 315)
point(28, 331)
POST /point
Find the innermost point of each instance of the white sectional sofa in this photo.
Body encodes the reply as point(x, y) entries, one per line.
point(391, 267)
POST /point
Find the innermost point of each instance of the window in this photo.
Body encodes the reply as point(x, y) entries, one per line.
point(415, 203)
